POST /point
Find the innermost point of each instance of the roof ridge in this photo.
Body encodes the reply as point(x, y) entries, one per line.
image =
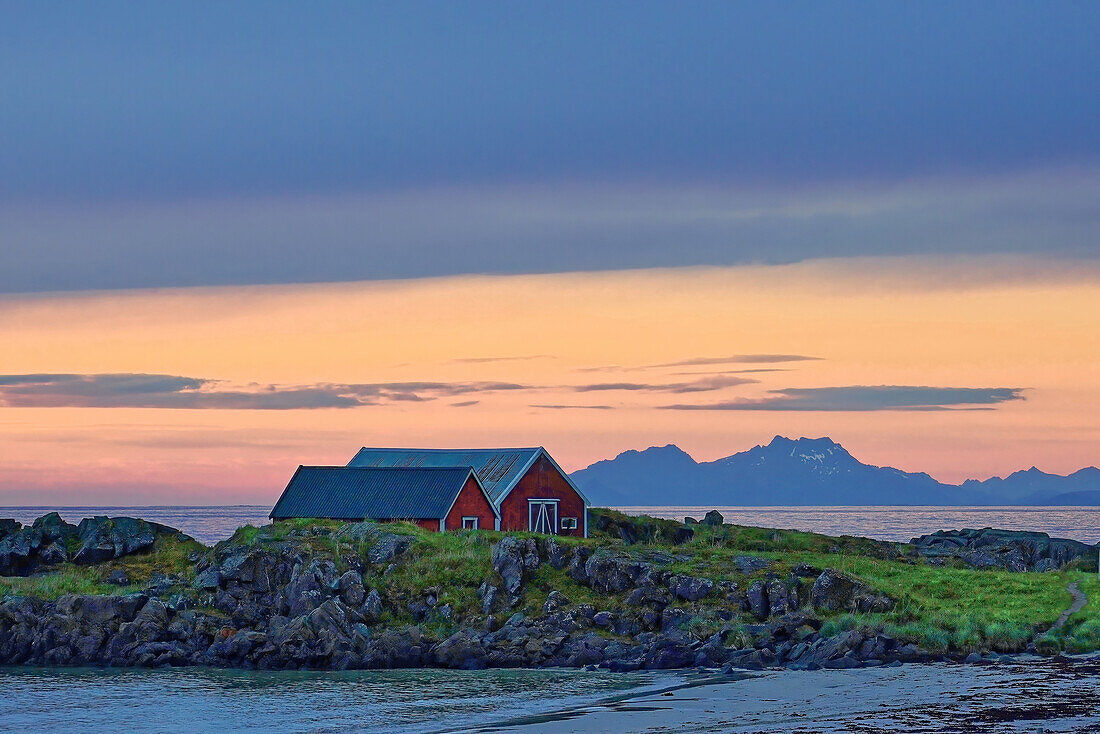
point(434, 450)
point(388, 468)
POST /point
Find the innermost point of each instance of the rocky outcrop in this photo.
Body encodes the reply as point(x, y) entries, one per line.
point(1012, 550)
point(50, 540)
point(324, 597)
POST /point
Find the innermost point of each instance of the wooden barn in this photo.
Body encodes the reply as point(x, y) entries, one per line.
point(528, 490)
point(435, 498)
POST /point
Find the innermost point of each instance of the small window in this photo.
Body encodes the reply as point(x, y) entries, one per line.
point(569, 523)
point(469, 523)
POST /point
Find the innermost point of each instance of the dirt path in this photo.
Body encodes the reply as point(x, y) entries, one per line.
point(1079, 602)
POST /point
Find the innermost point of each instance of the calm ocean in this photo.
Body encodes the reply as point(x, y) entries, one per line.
point(211, 524)
point(203, 700)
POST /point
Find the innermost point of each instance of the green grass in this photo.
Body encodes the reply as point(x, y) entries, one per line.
point(167, 556)
point(940, 607)
point(67, 579)
point(1081, 632)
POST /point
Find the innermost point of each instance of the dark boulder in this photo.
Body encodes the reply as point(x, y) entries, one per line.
point(835, 591)
point(53, 554)
point(8, 526)
point(578, 564)
point(492, 598)
point(19, 552)
point(648, 594)
point(387, 547)
point(757, 597)
point(690, 588)
point(557, 554)
point(610, 572)
point(372, 607)
point(512, 557)
point(1013, 550)
point(781, 599)
point(53, 528)
point(208, 580)
point(713, 519)
point(118, 577)
point(752, 564)
point(350, 588)
point(374, 542)
point(104, 538)
point(555, 601)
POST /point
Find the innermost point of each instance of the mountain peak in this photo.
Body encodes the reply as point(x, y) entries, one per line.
point(822, 442)
point(669, 450)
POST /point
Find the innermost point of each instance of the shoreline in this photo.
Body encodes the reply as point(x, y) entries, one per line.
point(1019, 695)
point(989, 699)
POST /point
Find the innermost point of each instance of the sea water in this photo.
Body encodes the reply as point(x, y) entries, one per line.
point(210, 700)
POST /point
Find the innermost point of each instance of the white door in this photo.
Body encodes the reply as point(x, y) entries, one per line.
point(543, 517)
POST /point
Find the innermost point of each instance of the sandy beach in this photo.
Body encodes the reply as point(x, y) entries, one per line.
point(1019, 695)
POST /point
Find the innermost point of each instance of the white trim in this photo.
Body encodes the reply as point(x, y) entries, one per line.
point(537, 451)
point(584, 500)
point(475, 518)
point(527, 467)
point(532, 501)
point(569, 481)
point(522, 473)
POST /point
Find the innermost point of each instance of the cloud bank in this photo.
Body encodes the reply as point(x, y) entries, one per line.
point(427, 233)
point(867, 398)
point(705, 384)
point(128, 390)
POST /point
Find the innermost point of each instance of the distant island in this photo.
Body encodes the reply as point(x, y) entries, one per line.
point(809, 471)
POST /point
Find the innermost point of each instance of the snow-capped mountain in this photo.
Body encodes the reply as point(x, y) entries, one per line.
point(804, 471)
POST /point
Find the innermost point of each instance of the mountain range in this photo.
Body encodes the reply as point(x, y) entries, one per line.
point(810, 471)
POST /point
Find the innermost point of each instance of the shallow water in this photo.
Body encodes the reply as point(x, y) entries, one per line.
point(1022, 696)
point(195, 699)
point(211, 524)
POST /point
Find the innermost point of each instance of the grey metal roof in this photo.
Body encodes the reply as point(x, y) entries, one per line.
point(497, 469)
point(353, 493)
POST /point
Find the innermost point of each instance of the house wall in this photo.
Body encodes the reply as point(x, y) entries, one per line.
point(471, 502)
point(542, 480)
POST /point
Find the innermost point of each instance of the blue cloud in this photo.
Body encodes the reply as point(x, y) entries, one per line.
point(867, 398)
point(211, 144)
point(170, 391)
point(703, 384)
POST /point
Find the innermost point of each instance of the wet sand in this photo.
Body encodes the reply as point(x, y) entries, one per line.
point(1018, 695)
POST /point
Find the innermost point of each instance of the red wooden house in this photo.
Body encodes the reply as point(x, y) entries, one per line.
point(527, 488)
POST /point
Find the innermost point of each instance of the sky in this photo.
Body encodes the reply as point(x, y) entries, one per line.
point(235, 238)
